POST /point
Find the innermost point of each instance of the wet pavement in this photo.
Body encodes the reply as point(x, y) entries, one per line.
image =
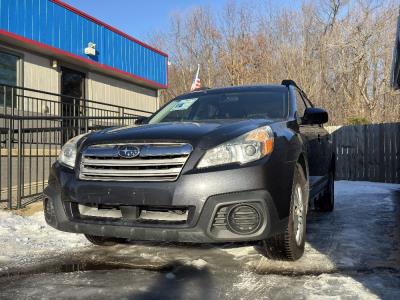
point(352, 253)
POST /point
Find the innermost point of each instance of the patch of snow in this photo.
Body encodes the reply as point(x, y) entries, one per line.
point(326, 286)
point(149, 257)
point(250, 282)
point(198, 263)
point(336, 285)
point(240, 252)
point(24, 239)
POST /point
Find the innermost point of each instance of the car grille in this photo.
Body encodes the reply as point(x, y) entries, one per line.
point(155, 162)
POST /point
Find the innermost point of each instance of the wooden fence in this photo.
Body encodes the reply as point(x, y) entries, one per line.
point(367, 152)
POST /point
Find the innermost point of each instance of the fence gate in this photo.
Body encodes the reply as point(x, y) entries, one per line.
point(32, 131)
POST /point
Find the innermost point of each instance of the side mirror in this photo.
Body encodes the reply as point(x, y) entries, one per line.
point(314, 115)
point(141, 120)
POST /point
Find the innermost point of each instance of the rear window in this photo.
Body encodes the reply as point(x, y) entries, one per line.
point(271, 105)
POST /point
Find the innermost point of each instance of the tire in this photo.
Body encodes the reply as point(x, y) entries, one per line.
point(327, 202)
point(104, 241)
point(289, 245)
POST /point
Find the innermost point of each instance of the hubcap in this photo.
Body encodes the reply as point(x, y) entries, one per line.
point(298, 215)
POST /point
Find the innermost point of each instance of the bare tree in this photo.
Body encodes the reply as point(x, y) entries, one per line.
point(339, 51)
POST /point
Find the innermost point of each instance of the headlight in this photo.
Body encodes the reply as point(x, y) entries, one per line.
point(67, 155)
point(248, 147)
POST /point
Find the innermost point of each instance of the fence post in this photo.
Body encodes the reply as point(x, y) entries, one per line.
point(19, 164)
point(77, 113)
point(10, 142)
point(86, 125)
point(9, 163)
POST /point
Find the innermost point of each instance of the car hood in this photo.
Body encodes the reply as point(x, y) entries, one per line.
point(199, 134)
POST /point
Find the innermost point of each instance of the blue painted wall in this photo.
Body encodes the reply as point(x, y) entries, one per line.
point(52, 24)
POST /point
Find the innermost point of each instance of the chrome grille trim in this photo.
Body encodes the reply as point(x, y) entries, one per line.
point(156, 162)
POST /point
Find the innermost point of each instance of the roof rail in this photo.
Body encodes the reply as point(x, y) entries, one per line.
point(288, 82)
point(203, 88)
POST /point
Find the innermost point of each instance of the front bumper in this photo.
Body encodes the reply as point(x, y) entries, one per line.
point(205, 192)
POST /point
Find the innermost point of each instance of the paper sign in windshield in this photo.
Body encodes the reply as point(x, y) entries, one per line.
point(184, 104)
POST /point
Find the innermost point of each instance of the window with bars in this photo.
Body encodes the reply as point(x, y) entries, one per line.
point(8, 76)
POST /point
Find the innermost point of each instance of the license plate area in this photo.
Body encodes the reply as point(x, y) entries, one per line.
point(128, 215)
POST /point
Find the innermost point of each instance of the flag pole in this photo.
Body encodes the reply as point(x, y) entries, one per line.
point(197, 72)
point(196, 81)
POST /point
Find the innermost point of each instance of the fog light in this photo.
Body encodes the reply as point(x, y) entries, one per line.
point(244, 219)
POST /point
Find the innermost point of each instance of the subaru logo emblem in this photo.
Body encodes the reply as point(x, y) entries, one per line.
point(128, 151)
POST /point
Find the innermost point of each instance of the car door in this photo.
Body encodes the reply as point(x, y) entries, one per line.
point(311, 134)
point(324, 145)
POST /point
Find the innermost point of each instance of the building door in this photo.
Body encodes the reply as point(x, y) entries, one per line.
point(72, 102)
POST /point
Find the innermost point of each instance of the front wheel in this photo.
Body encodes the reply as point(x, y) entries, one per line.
point(104, 241)
point(290, 244)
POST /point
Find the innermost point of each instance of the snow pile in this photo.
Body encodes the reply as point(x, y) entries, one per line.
point(198, 263)
point(240, 253)
point(25, 239)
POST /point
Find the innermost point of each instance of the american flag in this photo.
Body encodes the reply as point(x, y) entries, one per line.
point(196, 82)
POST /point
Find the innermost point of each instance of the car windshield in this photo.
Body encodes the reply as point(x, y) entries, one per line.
point(240, 105)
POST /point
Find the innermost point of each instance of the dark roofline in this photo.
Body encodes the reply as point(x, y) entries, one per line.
point(93, 19)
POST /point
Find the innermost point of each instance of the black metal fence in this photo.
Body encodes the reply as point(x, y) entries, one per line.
point(33, 127)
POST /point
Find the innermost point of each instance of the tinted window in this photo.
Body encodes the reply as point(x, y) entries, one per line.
point(243, 105)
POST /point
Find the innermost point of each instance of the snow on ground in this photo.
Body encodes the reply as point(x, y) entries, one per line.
point(350, 253)
point(24, 239)
point(310, 287)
